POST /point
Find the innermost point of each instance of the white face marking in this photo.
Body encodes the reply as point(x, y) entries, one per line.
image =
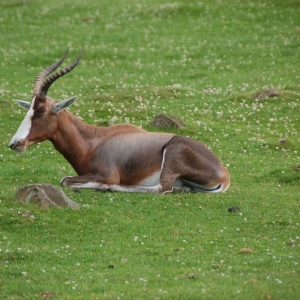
point(25, 126)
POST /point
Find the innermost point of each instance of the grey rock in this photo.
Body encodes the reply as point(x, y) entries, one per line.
point(45, 195)
point(266, 94)
point(166, 122)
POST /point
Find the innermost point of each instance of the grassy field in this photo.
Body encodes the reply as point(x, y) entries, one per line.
point(201, 61)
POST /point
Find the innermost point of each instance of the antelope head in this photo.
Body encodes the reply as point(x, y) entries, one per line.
point(39, 123)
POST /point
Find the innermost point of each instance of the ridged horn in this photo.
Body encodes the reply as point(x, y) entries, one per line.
point(53, 77)
point(39, 80)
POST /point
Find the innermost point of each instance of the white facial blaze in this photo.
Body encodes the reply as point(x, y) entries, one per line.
point(25, 126)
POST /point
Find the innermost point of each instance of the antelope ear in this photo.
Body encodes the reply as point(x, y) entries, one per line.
point(63, 105)
point(24, 104)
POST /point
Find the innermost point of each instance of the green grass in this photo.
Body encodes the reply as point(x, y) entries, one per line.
point(200, 61)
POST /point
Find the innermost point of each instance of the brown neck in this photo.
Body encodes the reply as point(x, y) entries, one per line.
point(73, 139)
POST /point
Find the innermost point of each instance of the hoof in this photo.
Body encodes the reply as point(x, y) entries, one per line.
point(64, 181)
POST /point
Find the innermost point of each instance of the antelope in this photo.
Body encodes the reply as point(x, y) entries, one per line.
point(124, 157)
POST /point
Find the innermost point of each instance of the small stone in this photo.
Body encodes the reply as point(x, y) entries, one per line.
point(266, 94)
point(297, 167)
point(282, 141)
point(233, 209)
point(245, 251)
point(26, 214)
point(48, 295)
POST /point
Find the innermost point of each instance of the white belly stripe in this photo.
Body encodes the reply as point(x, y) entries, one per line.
point(151, 180)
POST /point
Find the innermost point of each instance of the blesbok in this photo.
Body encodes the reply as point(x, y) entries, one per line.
point(123, 157)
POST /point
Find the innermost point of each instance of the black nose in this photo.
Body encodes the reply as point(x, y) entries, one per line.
point(11, 146)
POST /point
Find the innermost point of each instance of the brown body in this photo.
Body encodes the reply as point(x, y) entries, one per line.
point(121, 157)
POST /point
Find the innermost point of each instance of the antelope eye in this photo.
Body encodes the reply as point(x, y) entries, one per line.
point(39, 113)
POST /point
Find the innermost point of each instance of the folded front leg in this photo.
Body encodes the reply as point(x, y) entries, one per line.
point(91, 181)
point(88, 181)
